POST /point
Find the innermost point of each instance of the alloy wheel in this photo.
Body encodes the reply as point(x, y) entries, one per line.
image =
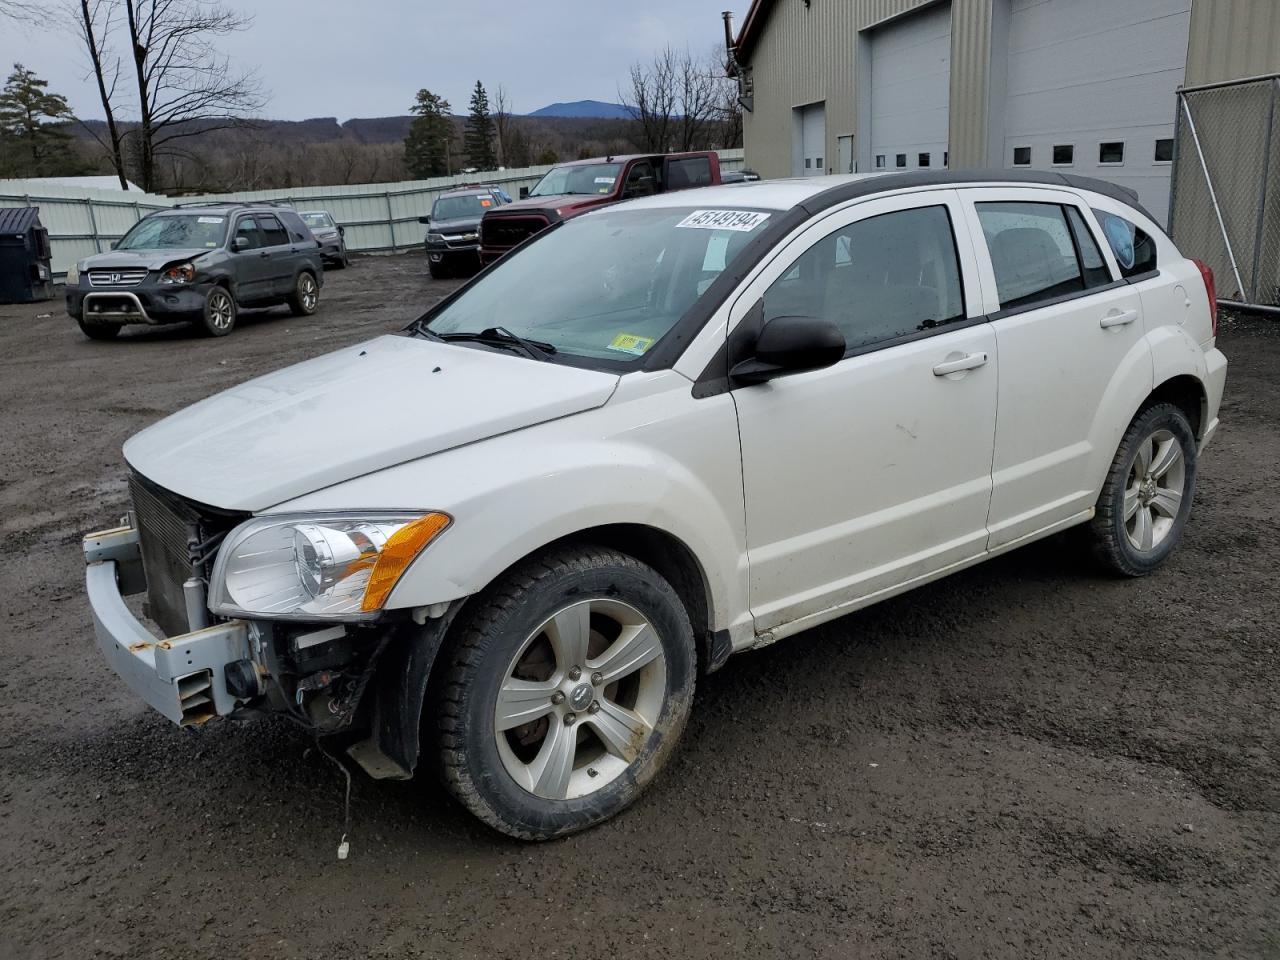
point(221, 310)
point(307, 292)
point(1154, 491)
point(580, 699)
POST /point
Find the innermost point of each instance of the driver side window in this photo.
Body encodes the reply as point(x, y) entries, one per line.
point(640, 181)
point(878, 279)
point(245, 227)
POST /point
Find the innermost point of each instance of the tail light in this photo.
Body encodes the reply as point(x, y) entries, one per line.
point(1206, 274)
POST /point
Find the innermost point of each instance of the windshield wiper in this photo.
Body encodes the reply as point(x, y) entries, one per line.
point(534, 349)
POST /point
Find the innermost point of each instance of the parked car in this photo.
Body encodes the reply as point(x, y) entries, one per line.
point(662, 433)
point(739, 176)
point(453, 229)
point(331, 236)
point(202, 263)
point(573, 188)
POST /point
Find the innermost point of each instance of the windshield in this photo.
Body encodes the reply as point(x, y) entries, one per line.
point(317, 221)
point(176, 231)
point(469, 206)
point(579, 178)
point(634, 274)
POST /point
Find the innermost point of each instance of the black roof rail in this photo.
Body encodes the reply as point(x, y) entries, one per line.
point(289, 204)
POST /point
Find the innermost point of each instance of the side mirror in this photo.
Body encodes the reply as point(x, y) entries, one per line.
point(342, 231)
point(524, 193)
point(787, 345)
point(239, 243)
point(420, 220)
point(115, 243)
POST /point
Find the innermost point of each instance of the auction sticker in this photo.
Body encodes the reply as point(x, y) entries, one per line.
point(630, 343)
point(740, 220)
point(209, 219)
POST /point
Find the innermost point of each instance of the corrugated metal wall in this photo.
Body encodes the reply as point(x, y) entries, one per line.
point(83, 221)
point(1231, 39)
point(806, 54)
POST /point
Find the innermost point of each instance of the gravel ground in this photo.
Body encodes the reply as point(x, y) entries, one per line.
point(1023, 760)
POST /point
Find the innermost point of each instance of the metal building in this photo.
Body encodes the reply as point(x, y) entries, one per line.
point(1083, 86)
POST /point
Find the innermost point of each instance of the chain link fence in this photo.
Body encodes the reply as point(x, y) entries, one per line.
point(1224, 199)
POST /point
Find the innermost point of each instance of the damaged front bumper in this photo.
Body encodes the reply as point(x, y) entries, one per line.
point(182, 677)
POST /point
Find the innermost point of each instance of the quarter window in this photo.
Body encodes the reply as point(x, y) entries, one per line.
point(1022, 156)
point(879, 279)
point(1064, 154)
point(1032, 253)
point(1134, 248)
point(1111, 152)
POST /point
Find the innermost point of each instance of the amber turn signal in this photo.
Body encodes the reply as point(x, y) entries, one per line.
point(397, 553)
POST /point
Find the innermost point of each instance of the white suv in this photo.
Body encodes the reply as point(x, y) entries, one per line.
point(659, 434)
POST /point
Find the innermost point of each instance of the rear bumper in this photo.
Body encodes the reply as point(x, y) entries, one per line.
point(181, 677)
point(1214, 385)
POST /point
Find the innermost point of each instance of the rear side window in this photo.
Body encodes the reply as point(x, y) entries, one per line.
point(879, 279)
point(273, 232)
point(1032, 252)
point(1134, 248)
point(689, 172)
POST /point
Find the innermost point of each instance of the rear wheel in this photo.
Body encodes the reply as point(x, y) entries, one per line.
point(219, 315)
point(99, 331)
point(568, 686)
point(1147, 496)
point(305, 296)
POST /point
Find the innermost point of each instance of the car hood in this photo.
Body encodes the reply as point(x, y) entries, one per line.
point(560, 204)
point(150, 259)
point(457, 225)
point(352, 412)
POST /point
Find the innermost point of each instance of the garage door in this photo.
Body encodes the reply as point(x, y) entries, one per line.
point(1091, 89)
point(910, 90)
point(809, 153)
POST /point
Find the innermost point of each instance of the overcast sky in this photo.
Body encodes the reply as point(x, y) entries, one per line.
point(367, 58)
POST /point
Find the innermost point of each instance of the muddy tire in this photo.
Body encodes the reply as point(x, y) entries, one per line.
point(568, 684)
point(1146, 499)
point(99, 331)
point(220, 311)
point(306, 295)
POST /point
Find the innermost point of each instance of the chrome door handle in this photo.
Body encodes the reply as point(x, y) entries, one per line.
point(1118, 319)
point(968, 362)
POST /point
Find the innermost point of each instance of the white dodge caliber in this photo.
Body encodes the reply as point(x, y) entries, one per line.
point(506, 542)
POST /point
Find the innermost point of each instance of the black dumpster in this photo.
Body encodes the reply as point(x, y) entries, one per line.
point(25, 274)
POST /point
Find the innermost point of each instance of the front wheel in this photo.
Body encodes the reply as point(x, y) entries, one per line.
point(219, 315)
point(569, 683)
point(305, 296)
point(1146, 498)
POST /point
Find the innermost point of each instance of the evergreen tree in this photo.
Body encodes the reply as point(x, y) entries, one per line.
point(33, 147)
point(478, 141)
point(426, 149)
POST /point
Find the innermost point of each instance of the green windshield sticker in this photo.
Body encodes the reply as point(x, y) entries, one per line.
point(630, 343)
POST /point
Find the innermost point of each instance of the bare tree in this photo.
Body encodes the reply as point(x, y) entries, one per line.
point(651, 100)
point(94, 26)
point(676, 101)
point(501, 114)
point(185, 88)
point(24, 11)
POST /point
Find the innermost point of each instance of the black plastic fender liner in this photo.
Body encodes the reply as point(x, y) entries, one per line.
point(399, 692)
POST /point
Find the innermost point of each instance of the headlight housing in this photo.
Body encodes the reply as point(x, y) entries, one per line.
point(73, 275)
point(435, 238)
point(335, 566)
point(178, 273)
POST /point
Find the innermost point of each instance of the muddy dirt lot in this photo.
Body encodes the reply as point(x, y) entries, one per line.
point(1024, 760)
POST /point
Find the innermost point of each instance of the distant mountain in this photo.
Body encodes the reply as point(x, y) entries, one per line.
point(596, 109)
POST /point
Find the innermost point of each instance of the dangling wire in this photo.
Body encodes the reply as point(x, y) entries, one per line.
point(344, 847)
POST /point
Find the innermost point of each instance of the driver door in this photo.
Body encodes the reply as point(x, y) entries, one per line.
point(252, 266)
point(874, 473)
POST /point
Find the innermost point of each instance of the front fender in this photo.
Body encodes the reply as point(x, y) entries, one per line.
point(660, 459)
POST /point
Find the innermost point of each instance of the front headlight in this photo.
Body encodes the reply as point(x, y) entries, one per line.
point(435, 238)
point(73, 276)
point(178, 273)
point(318, 567)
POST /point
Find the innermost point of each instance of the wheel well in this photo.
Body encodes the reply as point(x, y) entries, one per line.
point(670, 557)
point(1186, 393)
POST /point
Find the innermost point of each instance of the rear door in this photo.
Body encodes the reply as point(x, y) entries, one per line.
point(281, 254)
point(1074, 362)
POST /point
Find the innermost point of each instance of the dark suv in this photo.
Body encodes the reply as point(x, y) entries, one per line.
point(453, 228)
point(201, 262)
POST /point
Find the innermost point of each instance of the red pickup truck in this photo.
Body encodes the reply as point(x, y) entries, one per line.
point(573, 188)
